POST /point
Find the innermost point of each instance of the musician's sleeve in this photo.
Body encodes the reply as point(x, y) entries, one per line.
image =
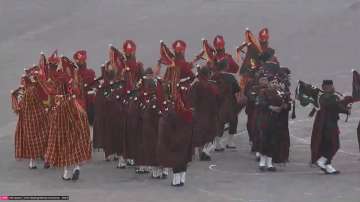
point(333, 104)
point(235, 84)
point(233, 66)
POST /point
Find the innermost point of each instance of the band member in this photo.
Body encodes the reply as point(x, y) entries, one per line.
point(110, 109)
point(132, 73)
point(69, 133)
point(229, 106)
point(109, 131)
point(325, 134)
point(175, 128)
point(270, 105)
point(251, 91)
point(205, 95)
point(282, 148)
point(151, 103)
point(267, 58)
point(86, 78)
point(32, 127)
point(219, 45)
point(217, 53)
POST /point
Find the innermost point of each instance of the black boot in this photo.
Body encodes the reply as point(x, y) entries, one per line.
point(204, 157)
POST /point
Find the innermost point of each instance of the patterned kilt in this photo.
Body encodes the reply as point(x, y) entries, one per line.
point(69, 136)
point(32, 127)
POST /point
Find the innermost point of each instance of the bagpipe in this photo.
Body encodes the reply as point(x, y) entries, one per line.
point(18, 93)
point(173, 83)
point(15, 95)
point(207, 52)
point(308, 94)
point(250, 62)
point(252, 53)
point(285, 95)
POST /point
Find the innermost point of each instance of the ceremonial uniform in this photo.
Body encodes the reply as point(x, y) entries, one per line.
point(270, 63)
point(252, 110)
point(86, 78)
point(205, 97)
point(69, 134)
point(109, 129)
point(270, 105)
point(151, 100)
point(175, 147)
point(132, 73)
point(325, 135)
point(32, 127)
point(221, 55)
point(228, 105)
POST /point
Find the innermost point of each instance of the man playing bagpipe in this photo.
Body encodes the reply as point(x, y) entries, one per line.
point(131, 74)
point(270, 104)
point(205, 101)
point(69, 133)
point(252, 90)
point(282, 148)
point(229, 105)
point(217, 53)
point(175, 146)
point(32, 128)
point(325, 134)
point(269, 62)
point(151, 99)
point(109, 125)
point(86, 78)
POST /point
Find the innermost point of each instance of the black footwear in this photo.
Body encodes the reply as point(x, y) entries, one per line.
point(219, 150)
point(262, 168)
point(120, 167)
point(230, 147)
point(46, 165)
point(76, 175)
point(138, 171)
point(204, 157)
point(32, 168)
point(164, 176)
point(128, 163)
point(66, 179)
point(271, 169)
point(181, 184)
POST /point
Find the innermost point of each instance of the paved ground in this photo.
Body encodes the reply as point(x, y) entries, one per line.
point(316, 39)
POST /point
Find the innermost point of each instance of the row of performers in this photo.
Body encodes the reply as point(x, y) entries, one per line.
point(140, 117)
point(136, 116)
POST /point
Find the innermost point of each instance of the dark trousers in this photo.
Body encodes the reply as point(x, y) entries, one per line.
point(233, 126)
point(179, 169)
point(326, 149)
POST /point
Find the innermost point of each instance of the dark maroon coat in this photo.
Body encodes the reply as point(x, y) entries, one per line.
point(204, 95)
point(326, 124)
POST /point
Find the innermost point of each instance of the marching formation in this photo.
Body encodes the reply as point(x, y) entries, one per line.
point(157, 119)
